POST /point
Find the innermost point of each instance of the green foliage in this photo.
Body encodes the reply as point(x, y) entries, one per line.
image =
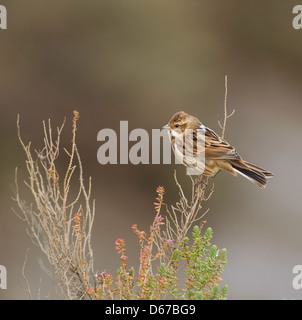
point(162, 264)
point(203, 266)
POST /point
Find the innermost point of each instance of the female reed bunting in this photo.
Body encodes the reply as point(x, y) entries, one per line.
point(217, 153)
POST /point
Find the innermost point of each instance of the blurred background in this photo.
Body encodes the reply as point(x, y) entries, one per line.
point(142, 61)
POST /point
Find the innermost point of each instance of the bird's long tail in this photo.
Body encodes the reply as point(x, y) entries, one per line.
point(251, 172)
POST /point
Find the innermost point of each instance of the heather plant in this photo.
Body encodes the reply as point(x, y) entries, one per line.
point(176, 257)
point(162, 262)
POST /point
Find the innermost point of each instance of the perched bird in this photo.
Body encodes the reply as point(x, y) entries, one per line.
point(218, 154)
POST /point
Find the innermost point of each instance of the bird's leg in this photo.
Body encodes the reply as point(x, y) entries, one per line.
point(201, 179)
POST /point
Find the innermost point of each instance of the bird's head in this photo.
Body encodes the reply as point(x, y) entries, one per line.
point(182, 121)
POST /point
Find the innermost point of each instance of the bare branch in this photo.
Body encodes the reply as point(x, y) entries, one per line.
point(24, 277)
point(226, 115)
point(59, 225)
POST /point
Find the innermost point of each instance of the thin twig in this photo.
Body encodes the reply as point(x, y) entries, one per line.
point(226, 115)
point(51, 217)
point(24, 277)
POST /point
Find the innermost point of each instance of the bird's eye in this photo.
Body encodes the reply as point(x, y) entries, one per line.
point(177, 125)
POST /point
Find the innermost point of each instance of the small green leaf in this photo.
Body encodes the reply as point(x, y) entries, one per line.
point(176, 255)
point(224, 291)
point(213, 251)
point(196, 232)
point(199, 295)
point(209, 233)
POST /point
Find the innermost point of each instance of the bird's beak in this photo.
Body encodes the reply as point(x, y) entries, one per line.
point(166, 127)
